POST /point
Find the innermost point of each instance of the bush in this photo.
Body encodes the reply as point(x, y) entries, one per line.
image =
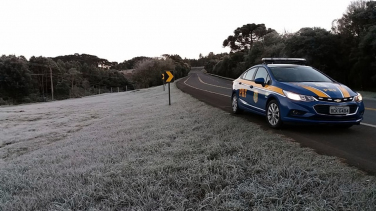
point(77, 92)
point(62, 90)
point(2, 102)
point(26, 100)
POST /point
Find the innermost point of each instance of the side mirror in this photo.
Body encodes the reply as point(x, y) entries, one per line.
point(260, 81)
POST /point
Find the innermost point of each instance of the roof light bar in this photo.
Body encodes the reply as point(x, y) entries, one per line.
point(284, 60)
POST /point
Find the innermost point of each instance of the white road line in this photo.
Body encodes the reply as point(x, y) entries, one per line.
point(203, 89)
point(211, 84)
point(369, 125)
point(215, 79)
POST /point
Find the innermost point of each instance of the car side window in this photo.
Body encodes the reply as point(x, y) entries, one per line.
point(262, 73)
point(250, 73)
point(268, 81)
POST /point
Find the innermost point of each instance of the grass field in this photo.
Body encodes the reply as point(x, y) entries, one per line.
point(131, 151)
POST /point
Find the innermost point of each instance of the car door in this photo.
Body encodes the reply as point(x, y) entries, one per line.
point(247, 83)
point(259, 91)
point(240, 86)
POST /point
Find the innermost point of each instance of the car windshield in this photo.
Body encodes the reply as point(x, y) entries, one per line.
point(298, 74)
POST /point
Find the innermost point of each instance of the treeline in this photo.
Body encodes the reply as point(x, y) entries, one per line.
point(40, 78)
point(347, 53)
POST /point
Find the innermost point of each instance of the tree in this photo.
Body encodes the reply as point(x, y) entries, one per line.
point(148, 72)
point(356, 30)
point(85, 58)
point(73, 75)
point(357, 19)
point(245, 36)
point(181, 67)
point(15, 81)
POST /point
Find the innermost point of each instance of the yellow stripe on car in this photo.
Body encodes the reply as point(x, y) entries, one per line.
point(344, 91)
point(316, 91)
point(275, 89)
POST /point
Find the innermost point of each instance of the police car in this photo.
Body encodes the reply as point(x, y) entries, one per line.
point(286, 90)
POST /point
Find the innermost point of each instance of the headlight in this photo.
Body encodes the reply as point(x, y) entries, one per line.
point(298, 97)
point(358, 98)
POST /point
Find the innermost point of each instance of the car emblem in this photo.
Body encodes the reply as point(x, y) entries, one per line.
point(337, 100)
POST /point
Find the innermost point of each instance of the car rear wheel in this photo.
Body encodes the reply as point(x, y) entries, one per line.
point(235, 104)
point(273, 114)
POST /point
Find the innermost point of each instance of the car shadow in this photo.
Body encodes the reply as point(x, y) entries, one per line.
point(314, 129)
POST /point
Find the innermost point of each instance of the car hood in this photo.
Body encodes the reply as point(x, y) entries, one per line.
point(320, 89)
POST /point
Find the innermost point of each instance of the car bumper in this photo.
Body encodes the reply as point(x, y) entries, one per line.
point(318, 112)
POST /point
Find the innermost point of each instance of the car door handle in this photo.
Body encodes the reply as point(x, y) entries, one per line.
point(251, 86)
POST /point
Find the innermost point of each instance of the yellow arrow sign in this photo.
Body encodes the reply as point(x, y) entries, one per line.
point(170, 76)
point(162, 76)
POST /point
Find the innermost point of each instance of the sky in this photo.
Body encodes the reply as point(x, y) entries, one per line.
point(119, 30)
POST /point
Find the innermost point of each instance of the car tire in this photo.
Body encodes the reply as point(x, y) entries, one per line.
point(235, 104)
point(273, 114)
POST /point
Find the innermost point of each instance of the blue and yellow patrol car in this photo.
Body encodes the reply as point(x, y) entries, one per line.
point(286, 90)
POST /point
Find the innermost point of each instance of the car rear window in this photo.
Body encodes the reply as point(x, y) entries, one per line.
point(298, 74)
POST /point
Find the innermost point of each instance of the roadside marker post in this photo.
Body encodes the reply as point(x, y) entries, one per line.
point(167, 77)
point(169, 95)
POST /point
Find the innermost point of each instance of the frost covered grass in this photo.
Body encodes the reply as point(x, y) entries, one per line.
point(131, 151)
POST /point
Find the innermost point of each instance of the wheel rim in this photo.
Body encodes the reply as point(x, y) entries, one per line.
point(273, 114)
point(234, 104)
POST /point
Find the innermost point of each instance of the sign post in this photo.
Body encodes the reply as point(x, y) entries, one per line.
point(167, 77)
point(169, 95)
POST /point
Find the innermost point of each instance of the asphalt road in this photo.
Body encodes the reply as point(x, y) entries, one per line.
point(355, 146)
point(370, 113)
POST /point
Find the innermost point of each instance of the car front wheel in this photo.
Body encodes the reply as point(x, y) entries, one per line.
point(273, 114)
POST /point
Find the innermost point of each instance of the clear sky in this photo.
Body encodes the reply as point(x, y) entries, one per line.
point(120, 30)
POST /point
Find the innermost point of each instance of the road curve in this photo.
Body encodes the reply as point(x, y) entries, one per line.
point(356, 146)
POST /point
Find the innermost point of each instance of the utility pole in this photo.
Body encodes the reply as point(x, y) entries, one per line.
point(52, 84)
